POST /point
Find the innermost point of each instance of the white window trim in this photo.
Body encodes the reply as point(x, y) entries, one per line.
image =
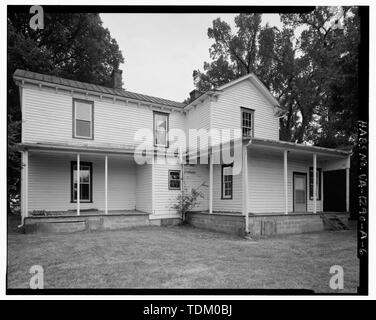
point(75, 135)
point(167, 115)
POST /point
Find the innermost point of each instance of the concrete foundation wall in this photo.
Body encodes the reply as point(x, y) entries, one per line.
point(227, 223)
point(71, 224)
point(284, 224)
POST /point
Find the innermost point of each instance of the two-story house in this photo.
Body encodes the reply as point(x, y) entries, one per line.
point(72, 129)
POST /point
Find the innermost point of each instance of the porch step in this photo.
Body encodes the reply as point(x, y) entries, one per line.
point(334, 223)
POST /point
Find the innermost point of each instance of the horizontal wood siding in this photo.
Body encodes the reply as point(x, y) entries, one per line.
point(226, 110)
point(163, 198)
point(144, 190)
point(48, 118)
point(50, 183)
point(194, 177)
point(266, 182)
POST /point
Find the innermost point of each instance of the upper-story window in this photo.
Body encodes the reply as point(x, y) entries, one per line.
point(247, 122)
point(83, 115)
point(160, 129)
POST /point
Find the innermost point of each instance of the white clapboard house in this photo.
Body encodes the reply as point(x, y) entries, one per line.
point(73, 129)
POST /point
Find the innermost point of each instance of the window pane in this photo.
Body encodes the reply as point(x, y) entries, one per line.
point(161, 137)
point(83, 128)
point(85, 191)
point(83, 110)
point(84, 175)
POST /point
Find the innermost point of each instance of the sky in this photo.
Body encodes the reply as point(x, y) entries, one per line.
point(162, 50)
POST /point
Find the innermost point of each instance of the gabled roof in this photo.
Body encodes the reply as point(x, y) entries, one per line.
point(255, 81)
point(29, 75)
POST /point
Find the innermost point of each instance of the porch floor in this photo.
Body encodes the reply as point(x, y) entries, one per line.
point(73, 213)
point(251, 214)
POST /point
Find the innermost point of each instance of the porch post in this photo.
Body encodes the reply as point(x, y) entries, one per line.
point(78, 184)
point(105, 184)
point(314, 183)
point(348, 185)
point(285, 180)
point(211, 183)
point(245, 187)
point(25, 185)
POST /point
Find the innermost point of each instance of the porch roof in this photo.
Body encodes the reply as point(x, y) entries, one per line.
point(299, 147)
point(61, 147)
point(273, 145)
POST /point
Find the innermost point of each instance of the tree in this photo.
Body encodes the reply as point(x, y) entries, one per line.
point(314, 74)
point(75, 46)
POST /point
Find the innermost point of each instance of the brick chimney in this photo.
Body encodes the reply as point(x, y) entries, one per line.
point(194, 94)
point(117, 79)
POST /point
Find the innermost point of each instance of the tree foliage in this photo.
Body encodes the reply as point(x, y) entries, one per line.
point(309, 64)
point(75, 46)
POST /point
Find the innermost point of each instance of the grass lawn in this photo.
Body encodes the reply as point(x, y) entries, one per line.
point(181, 257)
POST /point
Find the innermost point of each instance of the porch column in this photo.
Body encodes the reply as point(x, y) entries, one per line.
point(245, 186)
point(78, 184)
point(105, 184)
point(285, 180)
point(24, 185)
point(314, 182)
point(211, 183)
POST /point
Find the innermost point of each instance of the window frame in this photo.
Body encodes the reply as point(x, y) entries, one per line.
point(85, 164)
point(252, 113)
point(167, 115)
point(169, 179)
point(74, 120)
point(223, 196)
point(310, 177)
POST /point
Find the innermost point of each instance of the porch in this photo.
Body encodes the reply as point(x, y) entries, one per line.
point(269, 224)
point(111, 185)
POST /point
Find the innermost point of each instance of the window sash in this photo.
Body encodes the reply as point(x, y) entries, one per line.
point(247, 122)
point(85, 183)
point(174, 179)
point(227, 182)
point(160, 129)
point(83, 117)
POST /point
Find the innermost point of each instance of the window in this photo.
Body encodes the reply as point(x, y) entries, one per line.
point(174, 179)
point(160, 129)
point(86, 181)
point(83, 119)
point(227, 181)
point(247, 122)
point(318, 183)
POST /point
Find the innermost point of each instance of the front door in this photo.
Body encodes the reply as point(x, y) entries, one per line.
point(300, 192)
